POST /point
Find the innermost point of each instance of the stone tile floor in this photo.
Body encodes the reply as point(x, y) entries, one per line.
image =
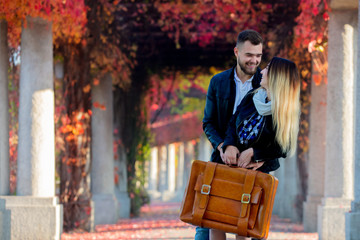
point(160, 221)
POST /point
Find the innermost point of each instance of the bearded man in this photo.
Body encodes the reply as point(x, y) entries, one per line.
point(225, 92)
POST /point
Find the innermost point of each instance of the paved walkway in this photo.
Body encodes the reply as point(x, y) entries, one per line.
point(160, 221)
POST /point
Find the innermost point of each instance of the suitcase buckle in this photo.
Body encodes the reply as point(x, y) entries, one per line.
point(245, 198)
point(205, 189)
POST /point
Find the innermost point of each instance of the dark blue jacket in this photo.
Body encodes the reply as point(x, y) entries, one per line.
point(219, 107)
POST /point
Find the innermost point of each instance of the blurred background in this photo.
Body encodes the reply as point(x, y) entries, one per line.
point(159, 57)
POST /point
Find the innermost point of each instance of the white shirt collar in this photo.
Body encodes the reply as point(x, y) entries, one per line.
point(238, 79)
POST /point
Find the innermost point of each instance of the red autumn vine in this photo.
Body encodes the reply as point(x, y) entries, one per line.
point(85, 53)
point(205, 21)
point(312, 22)
point(68, 17)
point(121, 37)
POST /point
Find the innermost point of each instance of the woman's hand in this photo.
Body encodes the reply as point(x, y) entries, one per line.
point(245, 158)
point(219, 148)
point(255, 165)
point(230, 155)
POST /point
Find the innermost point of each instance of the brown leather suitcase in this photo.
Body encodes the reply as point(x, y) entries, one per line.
point(235, 200)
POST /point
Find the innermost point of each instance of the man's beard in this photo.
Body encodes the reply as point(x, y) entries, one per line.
point(246, 71)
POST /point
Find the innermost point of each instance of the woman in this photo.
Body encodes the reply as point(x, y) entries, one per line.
point(265, 124)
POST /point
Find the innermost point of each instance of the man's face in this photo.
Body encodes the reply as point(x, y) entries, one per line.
point(248, 57)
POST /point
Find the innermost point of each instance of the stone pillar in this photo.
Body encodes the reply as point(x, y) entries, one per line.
point(280, 192)
point(121, 188)
point(290, 208)
point(36, 150)
point(102, 169)
point(189, 156)
point(339, 181)
point(4, 112)
point(154, 174)
point(169, 193)
point(121, 192)
point(36, 157)
point(163, 181)
point(180, 181)
point(153, 169)
point(353, 217)
point(286, 196)
point(316, 166)
point(205, 149)
point(171, 168)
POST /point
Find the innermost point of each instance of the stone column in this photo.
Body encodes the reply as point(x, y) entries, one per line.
point(4, 112)
point(290, 208)
point(154, 174)
point(353, 217)
point(36, 148)
point(287, 192)
point(163, 181)
point(36, 157)
point(189, 156)
point(317, 144)
point(280, 192)
point(121, 192)
point(180, 181)
point(121, 188)
point(153, 169)
point(102, 168)
point(339, 181)
point(169, 193)
point(205, 149)
point(171, 168)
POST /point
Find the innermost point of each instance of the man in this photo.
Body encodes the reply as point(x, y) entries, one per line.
point(225, 92)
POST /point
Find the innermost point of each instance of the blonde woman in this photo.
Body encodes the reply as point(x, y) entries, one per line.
point(266, 123)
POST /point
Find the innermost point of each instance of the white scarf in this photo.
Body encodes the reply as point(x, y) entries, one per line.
point(263, 108)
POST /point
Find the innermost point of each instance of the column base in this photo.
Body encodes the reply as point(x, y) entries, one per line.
point(34, 217)
point(331, 218)
point(5, 221)
point(352, 229)
point(310, 213)
point(105, 209)
point(123, 204)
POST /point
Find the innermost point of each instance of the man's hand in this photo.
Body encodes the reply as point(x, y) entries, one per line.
point(230, 155)
point(245, 158)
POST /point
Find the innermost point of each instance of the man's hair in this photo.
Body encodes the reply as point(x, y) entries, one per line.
point(249, 35)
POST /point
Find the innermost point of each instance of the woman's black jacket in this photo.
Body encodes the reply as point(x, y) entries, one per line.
point(265, 146)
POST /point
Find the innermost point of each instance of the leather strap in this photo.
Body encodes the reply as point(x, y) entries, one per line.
point(245, 205)
point(204, 197)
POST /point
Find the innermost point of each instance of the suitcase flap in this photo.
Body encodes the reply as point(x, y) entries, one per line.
point(228, 189)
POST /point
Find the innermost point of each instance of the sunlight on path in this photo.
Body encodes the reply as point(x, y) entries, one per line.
point(160, 221)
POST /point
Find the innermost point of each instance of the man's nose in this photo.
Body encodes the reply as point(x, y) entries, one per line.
point(254, 59)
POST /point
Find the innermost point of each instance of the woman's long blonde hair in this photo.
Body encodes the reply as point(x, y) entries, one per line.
point(284, 87)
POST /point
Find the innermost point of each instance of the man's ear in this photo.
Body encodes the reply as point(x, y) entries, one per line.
point(236, 51)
